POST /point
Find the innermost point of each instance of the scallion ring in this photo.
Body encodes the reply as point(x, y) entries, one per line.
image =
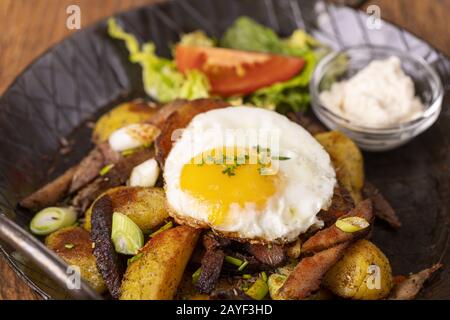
point(51, 219)
point(126, 235)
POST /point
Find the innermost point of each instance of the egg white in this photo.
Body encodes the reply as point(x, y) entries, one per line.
point(308, 176)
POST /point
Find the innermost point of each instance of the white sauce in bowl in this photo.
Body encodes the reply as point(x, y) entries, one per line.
point(378, 96)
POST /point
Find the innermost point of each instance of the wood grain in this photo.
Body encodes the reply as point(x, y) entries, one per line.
point(29, 27)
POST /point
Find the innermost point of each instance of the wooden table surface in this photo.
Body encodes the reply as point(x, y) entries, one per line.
point(29, 27)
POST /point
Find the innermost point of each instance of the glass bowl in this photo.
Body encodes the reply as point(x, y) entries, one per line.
point(344, 64)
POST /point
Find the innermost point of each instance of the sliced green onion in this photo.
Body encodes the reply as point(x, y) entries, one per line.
point(106, 169)
point(247, 276)
point(168, 225)
point(264, 276)
point(128, 152)
point(126, 235)
point(196, 275)
point(275, 282)
point(352, 224)
point(242, 266)
point(237, 262)
point(51, 219)
point(134, 258)
point(258, 290)
point(69, 246)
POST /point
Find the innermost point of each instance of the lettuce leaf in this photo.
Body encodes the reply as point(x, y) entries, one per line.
point(247, 34)
point(197, 38)
point(162, 81)
point(288, 95)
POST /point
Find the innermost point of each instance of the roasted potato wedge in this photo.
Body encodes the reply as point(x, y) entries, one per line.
point(145, 206)
point(121, 116)
point(364, 273)
point(74, 246)
point(158, 272)
point(347, 161)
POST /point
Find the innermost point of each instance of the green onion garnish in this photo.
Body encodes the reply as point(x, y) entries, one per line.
point(247, 276)
point(242, 266)
point(237, 262)
point(264, 276)
point(128, 152)
point(168, 225)
point(106, 169)
point(51, 219)
point(134, 258)
point(69, 246)
point(196, 275)
point(258, 290)
point(126, 235)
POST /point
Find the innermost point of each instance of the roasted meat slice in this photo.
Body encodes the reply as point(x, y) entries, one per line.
point(341, 204)
point(117, 176)
point(381, 207)
point(332, 235)
point(271, 255)
point(307, 275)
point(410, 287)
point(179, 119)
point(88, 169)
point(211, 262)
point(51, 193)
point(309, 122)
point(211, 267)
point(109, 264)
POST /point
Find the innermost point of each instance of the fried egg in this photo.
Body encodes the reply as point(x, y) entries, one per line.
point(248, 173)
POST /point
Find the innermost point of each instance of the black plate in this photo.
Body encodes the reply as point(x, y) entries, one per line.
point(85, 74)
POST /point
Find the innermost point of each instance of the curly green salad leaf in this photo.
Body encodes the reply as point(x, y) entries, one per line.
point(247, 34)
point(290, 95)
point(197, 38)
point(162, 80)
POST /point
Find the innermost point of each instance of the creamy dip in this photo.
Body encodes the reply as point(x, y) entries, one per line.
point(378, 96)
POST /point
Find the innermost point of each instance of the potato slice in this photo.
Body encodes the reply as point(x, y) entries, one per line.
point(158, 272)
point(74, 246)
point(121, 116)
point(347, 161)
point(364, 273)
point(145, 206)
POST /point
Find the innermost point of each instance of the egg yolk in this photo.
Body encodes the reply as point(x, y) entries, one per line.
point(219, 185)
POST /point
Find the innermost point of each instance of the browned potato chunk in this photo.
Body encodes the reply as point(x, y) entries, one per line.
point(121, 116)
point(145, 206)
point(158, 272)
point(74, 246)
point(364, 273)
point(347, 161)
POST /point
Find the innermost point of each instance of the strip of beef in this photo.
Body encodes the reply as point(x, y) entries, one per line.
point(271, 255)
point(211, 262)
point(381, 207)
point(307, 275)
point(88, 169)
point(332, 235)
point(341, 203)
point(409, 288)
point(117, 176)
point(253, 266)
point(51, 193)
point(310, 123)
point(108, 261)
point(179, 119)
point(162, 114)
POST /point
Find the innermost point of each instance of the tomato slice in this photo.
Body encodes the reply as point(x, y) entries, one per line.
point(232, 72)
